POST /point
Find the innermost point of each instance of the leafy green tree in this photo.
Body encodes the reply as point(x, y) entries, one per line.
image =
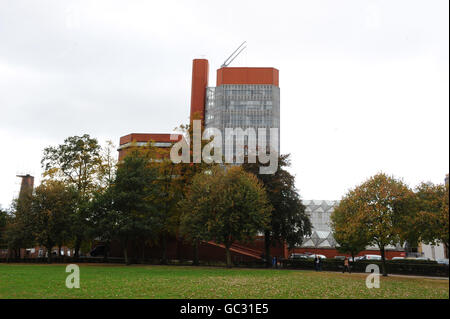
point(169, 193)
point(107, 166)
point(3, 222)
point(382, 204)
point(133, 194)
point(77, 162)
point(346, 226)
point(52, 208)
point(289, 222)
point(104, 218)
point(444, 216)
point(102, 215)
point(225, 205)
point(430, 223)
point(17, 232)
point(187, 173)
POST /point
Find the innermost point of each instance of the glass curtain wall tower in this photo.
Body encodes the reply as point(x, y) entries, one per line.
point(243, 98)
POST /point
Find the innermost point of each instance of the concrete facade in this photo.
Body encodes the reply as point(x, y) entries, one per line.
point(433, 252)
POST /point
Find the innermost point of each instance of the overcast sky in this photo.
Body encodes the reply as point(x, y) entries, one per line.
point(364, 84)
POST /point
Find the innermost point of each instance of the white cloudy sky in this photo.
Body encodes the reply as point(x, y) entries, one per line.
point(364, 84)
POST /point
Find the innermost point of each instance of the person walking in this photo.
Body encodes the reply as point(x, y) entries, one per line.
point(346, 265)
point(316, 263)
point(319, 263)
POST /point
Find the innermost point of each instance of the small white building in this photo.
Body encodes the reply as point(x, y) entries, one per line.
point(433, 252)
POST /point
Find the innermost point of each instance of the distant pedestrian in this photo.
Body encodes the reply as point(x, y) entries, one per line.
point(274, 262)
point(316, 263)
point(319, 263)
point(346, 265)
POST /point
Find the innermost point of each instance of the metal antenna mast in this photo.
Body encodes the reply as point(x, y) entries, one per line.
point(233, 55)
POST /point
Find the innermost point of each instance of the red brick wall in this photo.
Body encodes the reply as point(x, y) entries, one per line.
point(176, 249)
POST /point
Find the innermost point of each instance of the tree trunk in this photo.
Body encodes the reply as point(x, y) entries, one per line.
point(125, 255)
point(383, 258)
point(179, 257)
point(267, 244)
point(105, 256)
point(59, 250)
point(195, 261)
point(136, 252)
point(164, 248)
point(76, 253)
point(49, 259)
point(228, 254)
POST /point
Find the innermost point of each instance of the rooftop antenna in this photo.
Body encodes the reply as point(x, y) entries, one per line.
point(233, 55)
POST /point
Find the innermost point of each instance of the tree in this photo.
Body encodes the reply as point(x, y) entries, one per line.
point(52, 207)
point(430, 223)
point(444, 216)
point(225, 205)
point(346, 226)
point(169, 193)
point(103, 218)
point(77, 162)
point(289, 222)
point(102, 215)
point(189, 170)
point(382, 204)
point(133, 194)
point(107, 165)
point(3, 222)
point(17, 233)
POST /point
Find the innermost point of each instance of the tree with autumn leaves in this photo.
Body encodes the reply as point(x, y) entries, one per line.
point(51, 214)
point(77, 163)
point(346, 227)
point(430, 223)
point(225, 204)
point(373, 213)
point(384, 211)
point(187, 173)
point(288, 221)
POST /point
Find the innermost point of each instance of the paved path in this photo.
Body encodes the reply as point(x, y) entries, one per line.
point(412, 276)
point(395, 275)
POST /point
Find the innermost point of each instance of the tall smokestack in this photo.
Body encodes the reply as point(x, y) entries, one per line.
point(200, 72)
point(26, 188)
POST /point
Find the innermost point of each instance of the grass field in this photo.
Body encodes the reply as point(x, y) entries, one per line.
point(117, 281)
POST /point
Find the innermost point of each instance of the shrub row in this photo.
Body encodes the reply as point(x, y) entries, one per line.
point(61, 260)
point(67, 260)
point(422, 268)
point(403, 267)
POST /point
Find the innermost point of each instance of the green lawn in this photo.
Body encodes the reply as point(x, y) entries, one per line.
point(117, 281)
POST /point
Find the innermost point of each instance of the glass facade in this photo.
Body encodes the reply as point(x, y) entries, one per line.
point(243, 106)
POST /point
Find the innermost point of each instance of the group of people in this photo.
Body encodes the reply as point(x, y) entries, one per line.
point(318, 264)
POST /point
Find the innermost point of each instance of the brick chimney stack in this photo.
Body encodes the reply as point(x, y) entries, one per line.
point(26, 188)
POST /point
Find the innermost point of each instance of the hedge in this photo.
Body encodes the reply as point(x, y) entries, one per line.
point(404, 267)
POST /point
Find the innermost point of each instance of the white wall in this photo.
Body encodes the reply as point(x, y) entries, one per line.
point(433, 252)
